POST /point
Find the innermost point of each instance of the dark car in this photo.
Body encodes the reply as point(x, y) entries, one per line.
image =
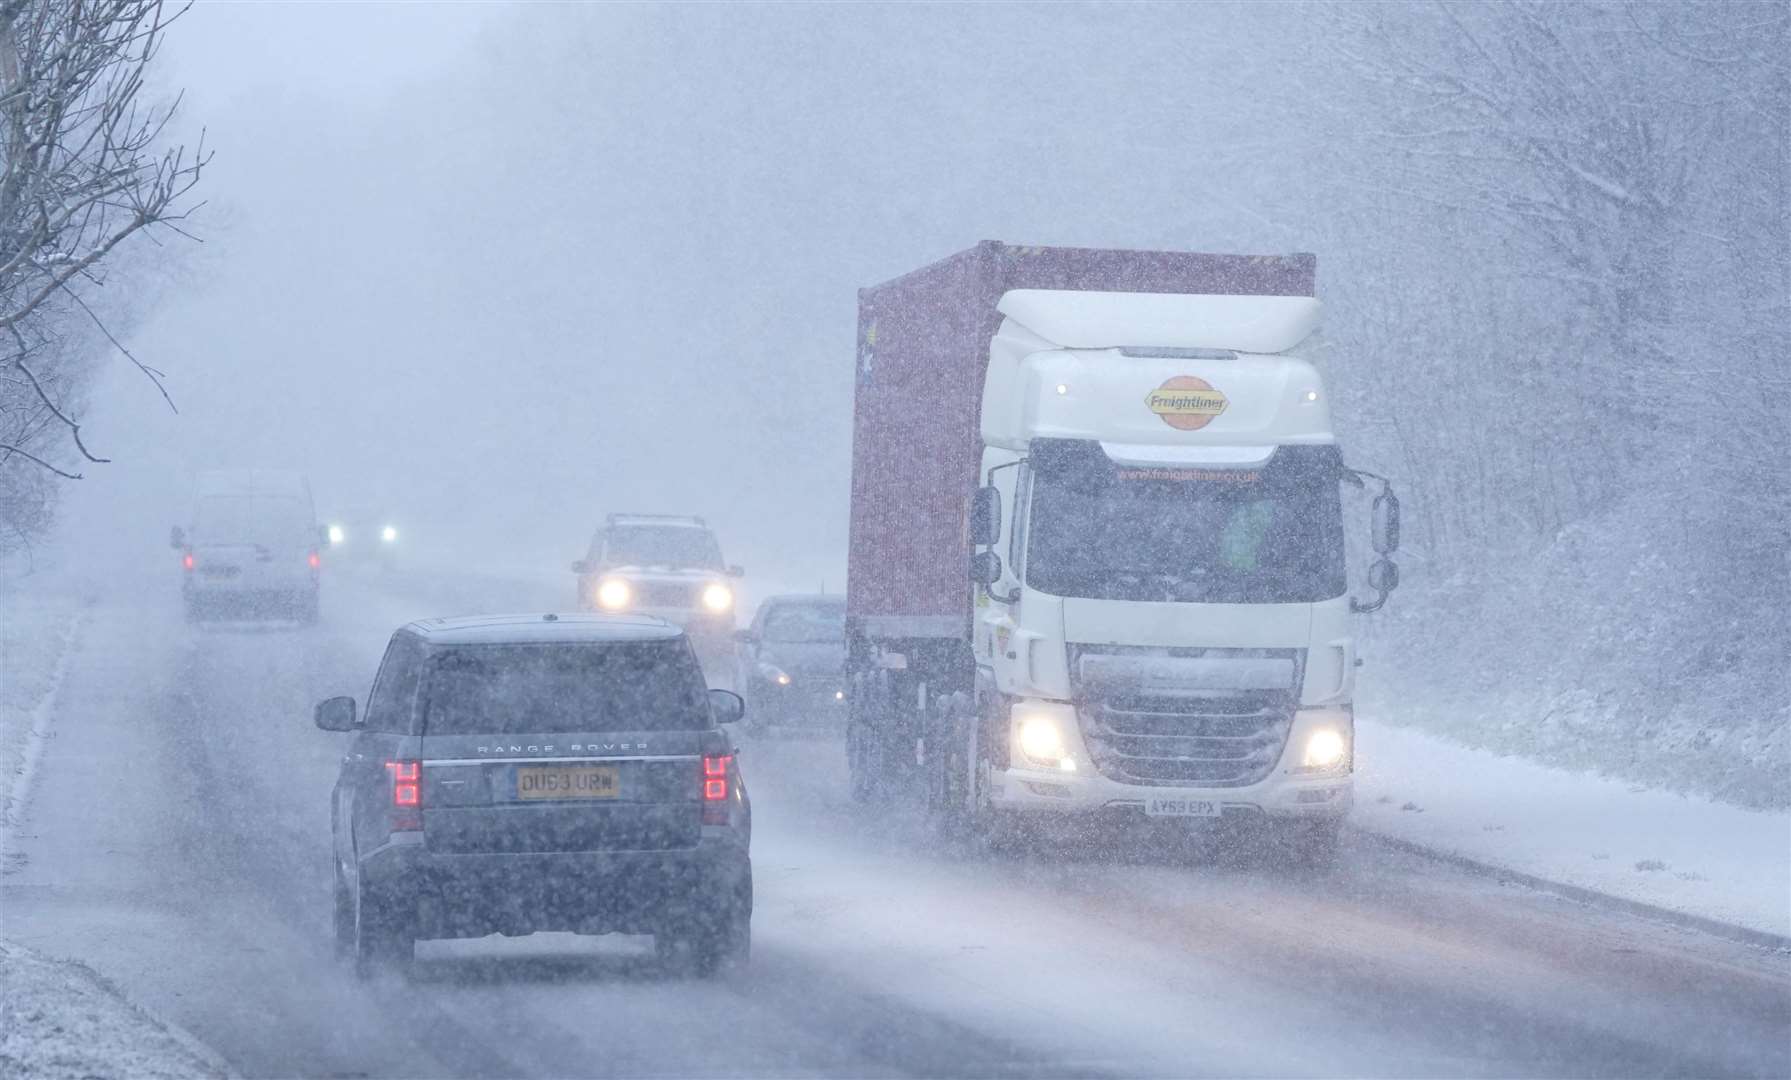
point(793, 659)
point(541, 772)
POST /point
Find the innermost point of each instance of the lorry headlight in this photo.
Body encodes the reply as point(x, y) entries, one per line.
point(1041, 740)
point(614, 594)
point(389, 534)
point(718, 598)
point(1325, 749)
point(337, 535)
point(775, 674)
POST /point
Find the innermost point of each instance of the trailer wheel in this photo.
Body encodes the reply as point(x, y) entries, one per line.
point(858, 766)
point(952, 764)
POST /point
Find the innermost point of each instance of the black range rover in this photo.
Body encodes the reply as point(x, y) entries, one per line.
point(541, 772)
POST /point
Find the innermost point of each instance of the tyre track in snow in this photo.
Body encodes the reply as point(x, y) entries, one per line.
point(232, 931)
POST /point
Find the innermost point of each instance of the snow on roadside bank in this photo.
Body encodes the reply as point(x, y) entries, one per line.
point(36, 635)
point(59, 1019)
point(1678, 852)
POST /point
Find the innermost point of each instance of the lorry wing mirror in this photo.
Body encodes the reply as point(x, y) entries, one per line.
point(745, 636)
point(736, 571)
point(985, 517)
point(177, 538)
point(1384, 530)
point(1383, 578)
point(335, 714)
point(985, 566)
point(580, 566)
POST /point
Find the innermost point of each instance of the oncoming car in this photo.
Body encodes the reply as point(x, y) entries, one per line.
point(371, 539)
point(522, 773)
point(793, 662)
point(666, 566)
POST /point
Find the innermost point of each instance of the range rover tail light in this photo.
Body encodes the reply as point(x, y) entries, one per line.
point(717, 787)
point(407, 794)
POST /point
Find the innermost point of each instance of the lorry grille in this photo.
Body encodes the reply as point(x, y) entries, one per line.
point(1218, 740)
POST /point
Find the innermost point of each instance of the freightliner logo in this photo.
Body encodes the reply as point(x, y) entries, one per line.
point(1186, 403)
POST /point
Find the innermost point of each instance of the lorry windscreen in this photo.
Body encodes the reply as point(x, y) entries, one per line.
point(1186, 534)
point(554, 689)
point(660, 545)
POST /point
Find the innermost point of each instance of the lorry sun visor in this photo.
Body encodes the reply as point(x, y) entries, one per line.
point(1218, 457)
point(1088, 463)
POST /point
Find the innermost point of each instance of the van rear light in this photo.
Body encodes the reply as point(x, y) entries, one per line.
point(314, 559)
point(186, 561)
point(407, 794)
point(716, 770)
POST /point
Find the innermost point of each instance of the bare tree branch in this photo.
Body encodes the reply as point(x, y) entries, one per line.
point(84, 169)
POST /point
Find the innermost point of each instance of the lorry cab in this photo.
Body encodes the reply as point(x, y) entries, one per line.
point(1162, 606)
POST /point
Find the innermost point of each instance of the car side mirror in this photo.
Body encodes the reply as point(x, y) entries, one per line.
point(985, 517)
point(736, 571)
point(580, 566)
point(1384, 528)
point(177, 538)
point(985, 568)
point(745, 636)
point(335, 714)
point(727, 706)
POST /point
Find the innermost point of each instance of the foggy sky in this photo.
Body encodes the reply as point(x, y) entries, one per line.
point(497, 270)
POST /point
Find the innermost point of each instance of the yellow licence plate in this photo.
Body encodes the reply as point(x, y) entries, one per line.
point(567, 782)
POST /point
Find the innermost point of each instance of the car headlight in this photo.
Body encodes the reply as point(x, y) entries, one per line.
point(718, 598)
point(1041, 740)
point(389, 534)
point(613, 594)
point(1325, 748)
point(337, 535)
point(775, 674)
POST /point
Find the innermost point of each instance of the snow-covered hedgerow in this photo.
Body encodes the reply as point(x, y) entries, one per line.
point(1598, 650)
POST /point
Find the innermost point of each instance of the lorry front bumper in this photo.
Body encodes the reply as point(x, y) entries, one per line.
point(1077, 786)
point(1052, 792)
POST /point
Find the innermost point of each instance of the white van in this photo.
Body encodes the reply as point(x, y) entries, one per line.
point(251, 543)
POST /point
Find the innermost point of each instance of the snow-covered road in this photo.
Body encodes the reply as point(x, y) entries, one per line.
point(177, 836)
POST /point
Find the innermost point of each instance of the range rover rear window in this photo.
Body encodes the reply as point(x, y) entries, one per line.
point(553, 689)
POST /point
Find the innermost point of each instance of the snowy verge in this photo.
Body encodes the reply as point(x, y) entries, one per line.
point(37, 632)
point(1681, 853)
point(59, 1019)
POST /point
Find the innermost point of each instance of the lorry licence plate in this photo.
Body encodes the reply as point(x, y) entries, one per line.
point(567, 782)
point(1160, 807)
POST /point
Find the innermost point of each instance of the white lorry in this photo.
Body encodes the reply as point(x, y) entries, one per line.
point(1142, 479)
